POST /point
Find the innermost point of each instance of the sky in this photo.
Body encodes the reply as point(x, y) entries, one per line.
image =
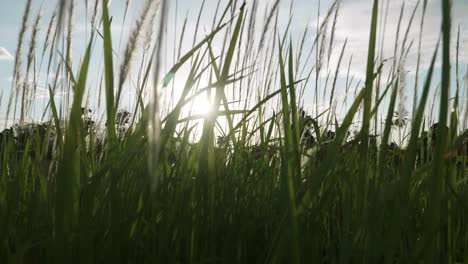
point(352, 25)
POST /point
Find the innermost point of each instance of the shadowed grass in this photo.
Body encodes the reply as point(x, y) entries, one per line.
point(256, 180)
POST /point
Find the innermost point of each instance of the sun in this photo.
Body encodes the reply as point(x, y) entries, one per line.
point(202, 105)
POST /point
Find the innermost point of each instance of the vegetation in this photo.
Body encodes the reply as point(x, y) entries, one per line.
point(265, 182)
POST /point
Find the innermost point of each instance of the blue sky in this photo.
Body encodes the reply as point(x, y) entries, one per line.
point(352, 24)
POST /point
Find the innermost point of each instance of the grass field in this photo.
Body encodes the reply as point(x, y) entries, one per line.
point(255, 179)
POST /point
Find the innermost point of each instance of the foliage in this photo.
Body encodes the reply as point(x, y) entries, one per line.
point(273, 185)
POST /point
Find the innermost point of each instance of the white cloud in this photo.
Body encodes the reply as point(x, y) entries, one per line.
point(5, 55)
point(354, 24)
point(43, 93)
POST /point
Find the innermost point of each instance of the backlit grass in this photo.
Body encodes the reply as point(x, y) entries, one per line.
point(257, 179)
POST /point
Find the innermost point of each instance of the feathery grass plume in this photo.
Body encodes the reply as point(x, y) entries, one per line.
point(25, 101)
point(433, 104)
point(149, 33)
point(16, 83)
point(332, 93)
point(397, 39)
point(401, 115)
point(53, 44)
point(127, 4)
point(382, 32)
point(86, 2)
point(317, 59)
point(68, 54)
point(95, 13)
point(332, 34)
point(70, 23)
point(301, 48)
point(408, 28)
point(267, 22)
point(383, 27)
point(348, 82)
point(197, 24)
point(418, 60)
point(47, 39)
point(174, 39)
point(181, 40)
point(320, 50)
point(154, 125)
point(62, 8)
point(143, 72)
point(320, 29)
point(132, 47)
point(251, 27)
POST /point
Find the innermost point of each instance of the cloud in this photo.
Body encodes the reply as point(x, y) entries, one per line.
point(353, 25)
point(5, 55)
point(43, 93)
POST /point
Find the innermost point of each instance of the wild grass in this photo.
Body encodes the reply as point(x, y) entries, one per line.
point(256, 180)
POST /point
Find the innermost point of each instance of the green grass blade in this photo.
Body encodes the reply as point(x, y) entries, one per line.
point(69, 170)
point(109, 74)
point(287, 166)
point(432, 216)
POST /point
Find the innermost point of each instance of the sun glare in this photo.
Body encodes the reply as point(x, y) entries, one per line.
point(202, 105)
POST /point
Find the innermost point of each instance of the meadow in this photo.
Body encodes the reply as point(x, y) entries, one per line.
point(257, 178)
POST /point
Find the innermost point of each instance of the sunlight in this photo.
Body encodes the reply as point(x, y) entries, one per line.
point(201, 105)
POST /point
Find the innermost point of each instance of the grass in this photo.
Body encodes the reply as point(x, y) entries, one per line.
point(264, 181)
